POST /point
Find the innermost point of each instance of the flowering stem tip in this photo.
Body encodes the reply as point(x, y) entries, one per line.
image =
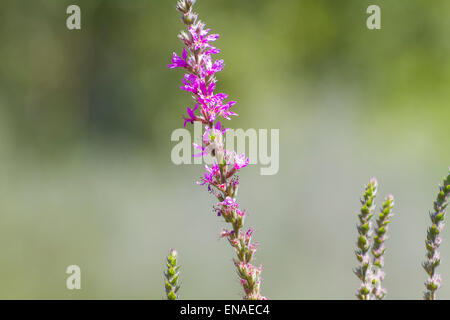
point(172, 276)
point(433, 240)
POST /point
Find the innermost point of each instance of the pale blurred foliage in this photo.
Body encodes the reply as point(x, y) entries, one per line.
point(85, 124)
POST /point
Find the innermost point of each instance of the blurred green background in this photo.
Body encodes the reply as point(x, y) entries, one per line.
point(85, 124)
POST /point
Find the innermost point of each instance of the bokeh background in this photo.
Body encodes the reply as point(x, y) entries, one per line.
point(85, 124)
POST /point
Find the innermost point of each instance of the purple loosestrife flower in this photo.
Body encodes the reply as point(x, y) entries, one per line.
point(433, 240)
point(191, 114)
point(221, 178)
point(240, 161)
point(172, 276)
point(378, 247)
point(364, 269)
point(178, 62)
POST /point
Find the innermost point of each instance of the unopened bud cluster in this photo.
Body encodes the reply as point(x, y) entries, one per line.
point(378, 247)
point(370, 269)
point(433, 240)
point(172, 276)
point(185, 8)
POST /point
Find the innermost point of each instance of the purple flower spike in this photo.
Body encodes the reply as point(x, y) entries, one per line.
point(220, 179)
